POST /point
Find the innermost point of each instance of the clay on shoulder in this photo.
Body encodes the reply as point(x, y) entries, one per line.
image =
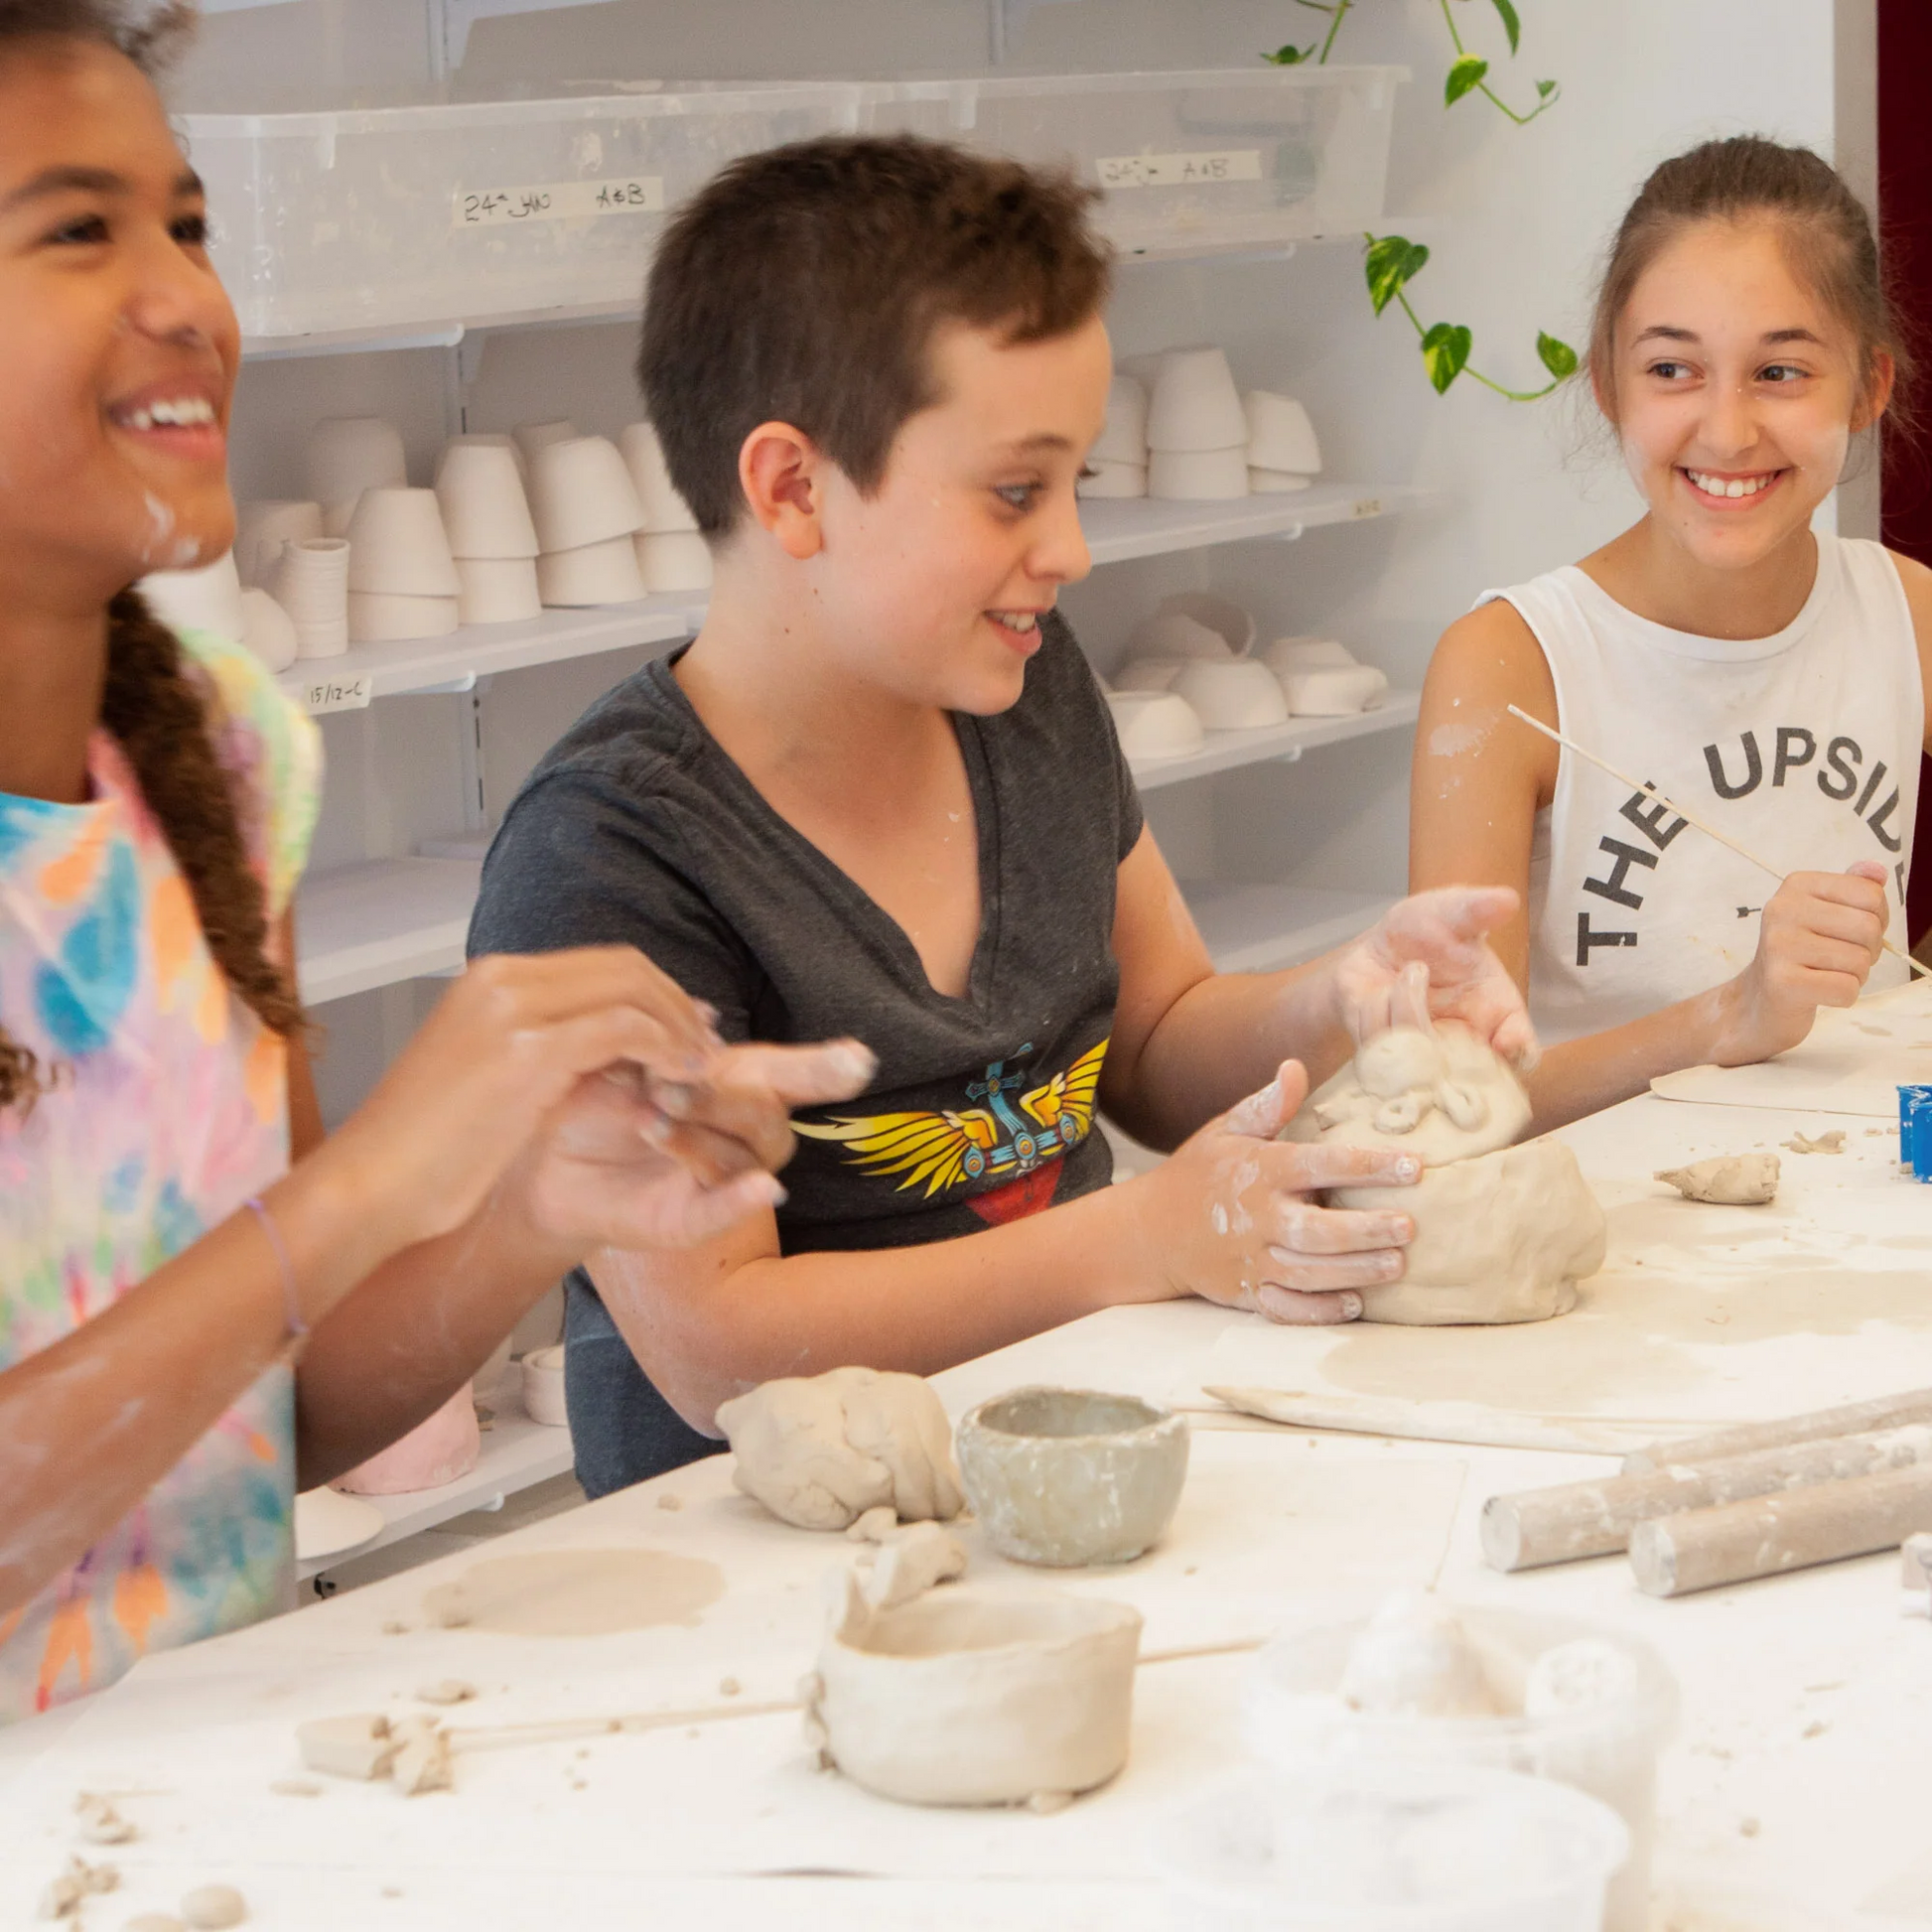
point(1503, 1233)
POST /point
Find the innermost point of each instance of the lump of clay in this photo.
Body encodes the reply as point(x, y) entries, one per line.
point(1503, 1233)
point(359, 1746)
point(213, 1908)
point(915, 1560)
point(422, 1761)
point(1586, 1674)
point(821, 1453)
point(79, 1881)
point(1730, 1180)
point(1414, 1659)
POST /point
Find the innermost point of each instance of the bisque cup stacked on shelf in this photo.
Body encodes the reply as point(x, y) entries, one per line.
point(586, 512)
point(402, 580)
point(671, 554)
point(1196, 429)
point(492, 539)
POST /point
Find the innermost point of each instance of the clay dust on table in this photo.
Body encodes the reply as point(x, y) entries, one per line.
point(576, 1592)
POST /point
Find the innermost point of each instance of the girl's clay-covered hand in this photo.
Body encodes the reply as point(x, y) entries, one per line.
point(507, 1062)
point(1231, 1215)
point(1820, 936)
point(635, 1160)
point(1429, 957)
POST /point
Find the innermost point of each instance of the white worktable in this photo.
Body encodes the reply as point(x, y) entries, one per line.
point(1793, 1795)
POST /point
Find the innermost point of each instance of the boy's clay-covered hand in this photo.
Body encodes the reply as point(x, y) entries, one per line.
point(1429, 957)
point(1231, 1216)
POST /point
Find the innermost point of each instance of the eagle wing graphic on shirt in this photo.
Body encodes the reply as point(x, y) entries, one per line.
point(942, 1147)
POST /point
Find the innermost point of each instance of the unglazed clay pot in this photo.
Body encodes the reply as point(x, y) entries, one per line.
point(1072, 1476)
point(978, 1697)
point(1155, 724)
point(438, 1450)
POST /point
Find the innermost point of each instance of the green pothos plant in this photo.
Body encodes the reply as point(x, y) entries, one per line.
point(1393, 261)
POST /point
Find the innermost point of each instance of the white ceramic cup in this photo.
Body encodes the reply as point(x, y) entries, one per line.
point(581, 493)
point(597, 573)
point(1197, 476)
point(1288, 654)
point(1195, 405)
point(379, 618)
point(1244, 695)
point(664, 510)
point(484, 510)
point(261, 529)
point(543, 1386)
point(497, 590)
point(1155, 724)
point(267, 629)
point(207, 598)
point(486, 440)
point(673, 560)
point(1194, 623)
point(532, 437)
point(1275, 483)
point(397, 546)
point(1112, 480)
point(311, 583)
point(1280, 435)
point(1124, 439)
point(346, 455)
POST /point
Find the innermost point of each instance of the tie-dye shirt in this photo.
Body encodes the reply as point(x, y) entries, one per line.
point(166, 1108)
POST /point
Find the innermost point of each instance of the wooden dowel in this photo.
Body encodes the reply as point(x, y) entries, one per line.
point(1596, 1519)
point(1424, 1421)
point(1709, 830)
point(1745, 1438)
point(1671, 1556)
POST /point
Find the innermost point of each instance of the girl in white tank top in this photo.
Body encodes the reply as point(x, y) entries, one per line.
point(1770, 680)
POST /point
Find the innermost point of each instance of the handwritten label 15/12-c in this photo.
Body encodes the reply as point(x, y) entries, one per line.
point(1178, 170)
point(556, 201)
point(326, 694)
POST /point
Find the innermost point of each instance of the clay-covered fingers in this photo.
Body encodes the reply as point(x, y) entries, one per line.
point(1307, 1167)
point(1295, 1308)
point(516, 993)
point(1265, 1111)
point(750, 1091)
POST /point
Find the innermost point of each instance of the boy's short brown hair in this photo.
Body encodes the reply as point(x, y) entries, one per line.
point(803, 285)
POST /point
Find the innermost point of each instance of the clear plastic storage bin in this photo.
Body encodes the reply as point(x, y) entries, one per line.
point(381, 218)
point(1229, 155)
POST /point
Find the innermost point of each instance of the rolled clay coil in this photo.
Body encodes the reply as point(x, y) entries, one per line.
point(1852, 1419)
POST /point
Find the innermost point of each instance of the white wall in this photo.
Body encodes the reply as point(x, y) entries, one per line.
point(1516, 219)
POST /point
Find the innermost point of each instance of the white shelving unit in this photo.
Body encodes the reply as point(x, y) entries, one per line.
point(364, 926)
point(1225, 751)
point(1264, 929)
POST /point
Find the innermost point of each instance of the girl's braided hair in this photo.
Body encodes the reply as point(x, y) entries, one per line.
point(150, 704)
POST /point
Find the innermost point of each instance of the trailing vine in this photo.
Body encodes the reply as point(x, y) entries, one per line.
point(1393, 261)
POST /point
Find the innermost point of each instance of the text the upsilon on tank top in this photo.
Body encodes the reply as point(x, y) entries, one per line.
point(1736, 769)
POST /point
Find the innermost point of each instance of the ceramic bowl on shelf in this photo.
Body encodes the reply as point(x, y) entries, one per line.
point(1195, 623)
point(532, 437)
point(1275, 483)
point(581, 493)
point(207, 598)
point(397, 546)
point(1280, 435)
point(673, 560)
point(497, 590)
point(666, 512)
point(1195, 405)
point(1124, 439)
point(267, 629)
point(1197, 476)
point(595, 574)
point(543, 1386)
point(1147, 674)
point(262, 528)
point(385, 617)
point(329, 1524)
point(345, 455)
point(1335, 693)
point(1106, 479)
point(485, 440)
point(1155, 724)
point(1244, 695)
point(311, 583)
point(1307, 654)
point(485, 510)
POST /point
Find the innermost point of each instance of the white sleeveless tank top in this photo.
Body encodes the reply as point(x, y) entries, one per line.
point(1804, 746)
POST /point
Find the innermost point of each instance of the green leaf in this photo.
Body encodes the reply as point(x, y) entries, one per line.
point(1545, 89)
point(1511, 24)
point(1446, 352)
point(1290, 56)
point(1392, 261)
point(1556, 356)
point(1467, 72)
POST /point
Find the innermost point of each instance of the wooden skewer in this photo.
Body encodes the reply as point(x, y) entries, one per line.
point(1710, 831)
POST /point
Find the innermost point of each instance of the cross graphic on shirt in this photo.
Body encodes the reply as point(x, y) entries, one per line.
point(1745, 911)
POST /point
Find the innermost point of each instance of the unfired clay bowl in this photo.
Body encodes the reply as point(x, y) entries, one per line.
point(1108, 479)
point(600, 573)
point(1275, 483)
point(1197, 476)
point(1242, 696)
point(1195, 405)
point(1072, 1476)
point(1124, 439)
point(1155, 724)
point(981, 1696)
point(1280, 435)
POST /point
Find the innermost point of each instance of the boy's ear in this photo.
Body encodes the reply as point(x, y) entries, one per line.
point(779, 470)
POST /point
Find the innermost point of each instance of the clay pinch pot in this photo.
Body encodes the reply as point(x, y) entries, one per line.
point(978, 1697)
point(1072, 1476)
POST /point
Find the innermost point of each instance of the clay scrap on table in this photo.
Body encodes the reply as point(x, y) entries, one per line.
point(1831, 1143)
point(100, 1822)
point(76, 1883)
point(414, 1752)
point(822, 1452)
point(213, 1908)
point(1503, 1233)
point(1728, 1180)
point(915, 1560)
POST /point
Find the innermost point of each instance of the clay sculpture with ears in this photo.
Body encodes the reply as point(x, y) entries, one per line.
point(1503, 1233)
point(820, 1452)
